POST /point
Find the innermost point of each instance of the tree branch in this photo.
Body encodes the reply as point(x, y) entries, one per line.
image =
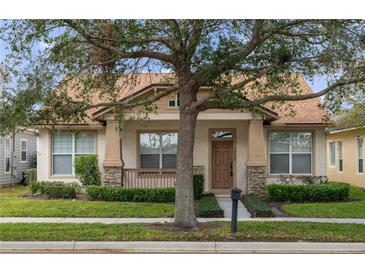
point(122, 54)
point(132, 104)
point(281, 98)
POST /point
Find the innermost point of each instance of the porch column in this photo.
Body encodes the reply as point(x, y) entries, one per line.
point(256, 162)
point(113, 163)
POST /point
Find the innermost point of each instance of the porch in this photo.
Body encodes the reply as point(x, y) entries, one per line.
point(229, 153)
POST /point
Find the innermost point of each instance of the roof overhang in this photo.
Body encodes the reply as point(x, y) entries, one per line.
point(268, 113)
point(345, 130)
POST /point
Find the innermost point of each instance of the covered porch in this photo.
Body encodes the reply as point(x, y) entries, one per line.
point(229, 150)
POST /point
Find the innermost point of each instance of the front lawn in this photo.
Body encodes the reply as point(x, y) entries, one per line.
point(355, 209)
point(217, 231)
point(12, 205)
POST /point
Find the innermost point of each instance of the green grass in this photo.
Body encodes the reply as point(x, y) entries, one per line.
point(11, 205)
point(354, 209)
point(220, 231)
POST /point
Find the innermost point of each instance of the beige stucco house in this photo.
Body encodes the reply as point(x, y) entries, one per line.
point(232, 147)
point(346, 156)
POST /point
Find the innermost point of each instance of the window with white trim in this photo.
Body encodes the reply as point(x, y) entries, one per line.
point(23, 150)
point(340, 156)
point(332, 153)
point(157, 150)
point(175, 102)
point(360, 155)
point(66, 146)
point(290, 152)
point(7, 153)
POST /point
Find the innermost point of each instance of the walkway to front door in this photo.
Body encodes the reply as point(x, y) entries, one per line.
point(226, 205)
point(222, 164)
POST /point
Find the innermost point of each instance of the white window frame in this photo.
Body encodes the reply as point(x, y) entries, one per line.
point(160, 133)
point(176, 101)
point(73, 153)
point(290, 154)
point(330, 154)
point(338, 156)
point(26, 151)
point(359, 155)
point(7, 154)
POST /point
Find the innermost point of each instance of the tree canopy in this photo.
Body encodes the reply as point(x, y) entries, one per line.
point(45, 56)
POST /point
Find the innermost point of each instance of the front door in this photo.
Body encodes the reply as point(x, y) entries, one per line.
point(222, 164)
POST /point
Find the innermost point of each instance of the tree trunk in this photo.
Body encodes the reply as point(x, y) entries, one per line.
point(184, 201)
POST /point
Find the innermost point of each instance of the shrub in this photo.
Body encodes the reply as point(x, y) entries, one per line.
point(308, 193)
point(32, 175)
point(87, 169)
point(55, 189)
point(208, 207)
point(256, 206)
point(105, 193)
point(198, 185)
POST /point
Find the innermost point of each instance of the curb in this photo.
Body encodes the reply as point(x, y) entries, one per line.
point(170, 220)
point(182, 247)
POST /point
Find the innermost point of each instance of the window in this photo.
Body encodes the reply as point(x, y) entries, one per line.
point(23, 151)
point(222, 134)
point(340, 156)
point(175, 102)
point(7, 153)
point(360, 155)
point(157, 150)
point(290, 153)
point(333, 153)
point(66, 146)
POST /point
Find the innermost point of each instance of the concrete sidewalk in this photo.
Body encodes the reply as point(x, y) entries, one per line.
point(170, 220)
point(180, 247)
point(226, 205)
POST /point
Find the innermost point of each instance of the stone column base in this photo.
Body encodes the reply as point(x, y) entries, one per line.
point(255, 179)
point(112, 176)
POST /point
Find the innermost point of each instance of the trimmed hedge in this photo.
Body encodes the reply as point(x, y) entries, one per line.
point(32, 175)
point(329, 192)
point(105, 193)
point(198, 185)
point(256, 206)
point(158, 195)
point(87, 169)
point(208, 207)
point(55, 189)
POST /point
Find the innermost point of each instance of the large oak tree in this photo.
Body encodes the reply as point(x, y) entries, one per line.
point(227, 55)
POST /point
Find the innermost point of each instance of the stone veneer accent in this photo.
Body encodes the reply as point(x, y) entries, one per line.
point(112, 176)
point(256, 177)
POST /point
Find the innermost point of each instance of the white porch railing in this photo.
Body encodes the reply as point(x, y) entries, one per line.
point(152, 178)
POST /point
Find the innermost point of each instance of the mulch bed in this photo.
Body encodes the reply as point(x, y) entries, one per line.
point(276, 209)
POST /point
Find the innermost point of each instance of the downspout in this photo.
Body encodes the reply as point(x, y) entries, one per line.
point(12, 157)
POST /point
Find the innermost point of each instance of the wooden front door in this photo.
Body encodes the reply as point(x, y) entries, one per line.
point(222, 164)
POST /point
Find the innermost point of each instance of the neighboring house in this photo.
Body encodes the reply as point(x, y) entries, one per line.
point(11, 168)
point(233, 148)
point(346, 156)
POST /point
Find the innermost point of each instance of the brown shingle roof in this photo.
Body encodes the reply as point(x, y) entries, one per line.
point(305, 112)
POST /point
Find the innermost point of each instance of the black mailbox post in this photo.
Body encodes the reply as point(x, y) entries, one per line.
point(235, 196)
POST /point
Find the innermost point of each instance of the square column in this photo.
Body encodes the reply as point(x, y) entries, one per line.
point(256, 162)
point(113, 163)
